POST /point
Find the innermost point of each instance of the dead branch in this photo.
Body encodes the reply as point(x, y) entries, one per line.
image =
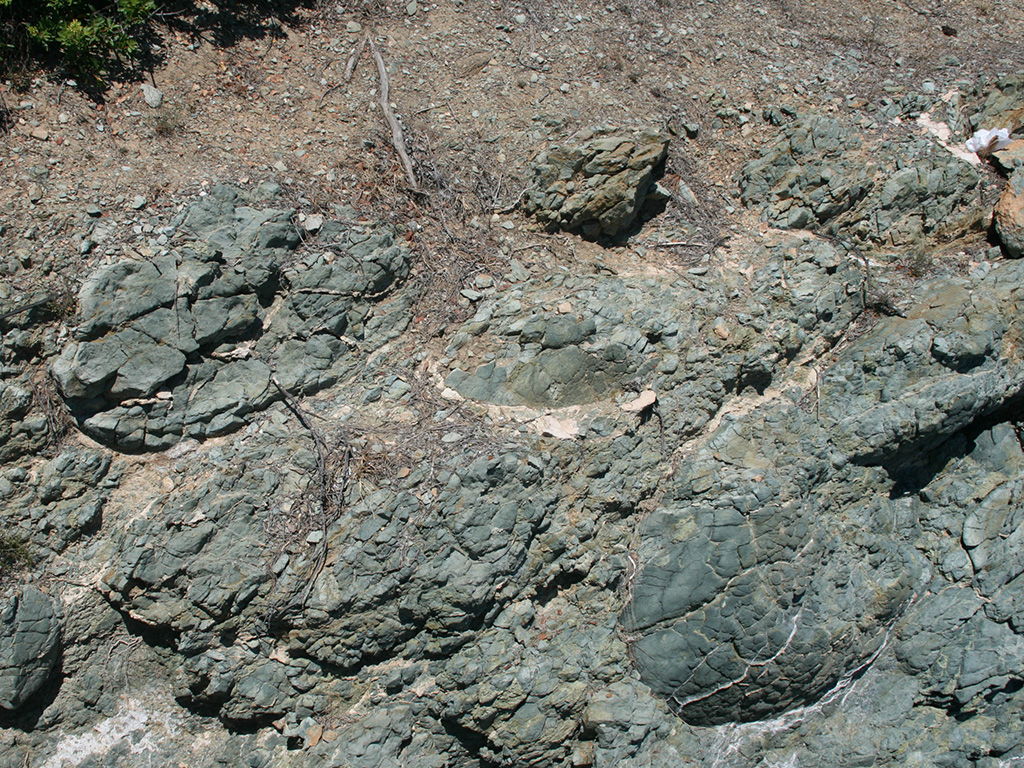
point(397, 137)
point(327, 93)
point(330, 490)
point(41, 303)
point(350, 67)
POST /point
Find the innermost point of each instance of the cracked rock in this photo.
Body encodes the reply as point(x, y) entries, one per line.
point(598, 188)
point(30, 632)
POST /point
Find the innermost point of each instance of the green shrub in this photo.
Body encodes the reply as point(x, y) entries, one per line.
point(14, 554)
point(85, 34)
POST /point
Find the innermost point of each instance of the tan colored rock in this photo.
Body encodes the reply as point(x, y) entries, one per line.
point(1009, 215)
point(646, 399)
point(1010, 158)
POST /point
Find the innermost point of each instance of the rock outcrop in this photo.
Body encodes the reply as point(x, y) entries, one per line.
point(762, 508)
point(187, 345)
point(597, 188)
point(768, 601)
point(823, 175)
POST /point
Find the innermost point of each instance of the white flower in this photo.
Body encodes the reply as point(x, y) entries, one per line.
point(987, 140)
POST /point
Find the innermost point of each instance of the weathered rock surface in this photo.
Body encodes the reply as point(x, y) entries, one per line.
point(21, 431)
point(30, 633)
point(597, 188)
point(1009, 215)
point(824, 175)
point(630, 514)
point(190, 343)
point(755, 603)
point(1002, 105)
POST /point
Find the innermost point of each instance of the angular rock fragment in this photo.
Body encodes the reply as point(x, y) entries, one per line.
point(1009, 215)
point(598, 188)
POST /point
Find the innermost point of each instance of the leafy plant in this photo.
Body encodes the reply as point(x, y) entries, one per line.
point(85, 34)
point(168, 121)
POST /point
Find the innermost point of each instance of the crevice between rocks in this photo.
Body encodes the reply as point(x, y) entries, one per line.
point(913, 468)
point(473, 742)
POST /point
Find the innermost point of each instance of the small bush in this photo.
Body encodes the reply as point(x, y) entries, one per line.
point(14, 554)
point(85, 34)
point(168, 121)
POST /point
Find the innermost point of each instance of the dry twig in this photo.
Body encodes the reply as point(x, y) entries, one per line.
point(397, 137)
point(350, 67)
point(330, 488)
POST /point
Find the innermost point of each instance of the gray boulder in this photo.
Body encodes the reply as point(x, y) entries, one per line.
point(30, 633)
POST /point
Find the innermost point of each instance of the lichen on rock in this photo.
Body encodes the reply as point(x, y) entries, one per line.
point(599, 186)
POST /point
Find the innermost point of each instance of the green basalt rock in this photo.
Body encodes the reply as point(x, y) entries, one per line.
point(182, 346)
point(598, 188)
point(30, 635)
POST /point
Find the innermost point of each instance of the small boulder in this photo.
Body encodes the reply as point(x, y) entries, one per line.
point(30, 629)
point(154, 96)
point(598, 188)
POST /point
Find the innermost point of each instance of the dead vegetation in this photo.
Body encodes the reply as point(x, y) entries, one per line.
point(429, 431)
point(15, 554)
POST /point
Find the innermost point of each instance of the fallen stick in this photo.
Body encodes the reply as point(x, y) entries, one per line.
point(27, 307)
point(350, 68)
point(397, 138)
point(327, 93)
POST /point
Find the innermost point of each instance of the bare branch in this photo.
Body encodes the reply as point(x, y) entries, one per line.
point(397, 137)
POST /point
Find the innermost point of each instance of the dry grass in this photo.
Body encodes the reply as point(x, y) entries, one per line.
point(388, 448)
point(60, 425)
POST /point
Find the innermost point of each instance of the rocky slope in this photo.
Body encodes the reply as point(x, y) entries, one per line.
point(651, 495)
